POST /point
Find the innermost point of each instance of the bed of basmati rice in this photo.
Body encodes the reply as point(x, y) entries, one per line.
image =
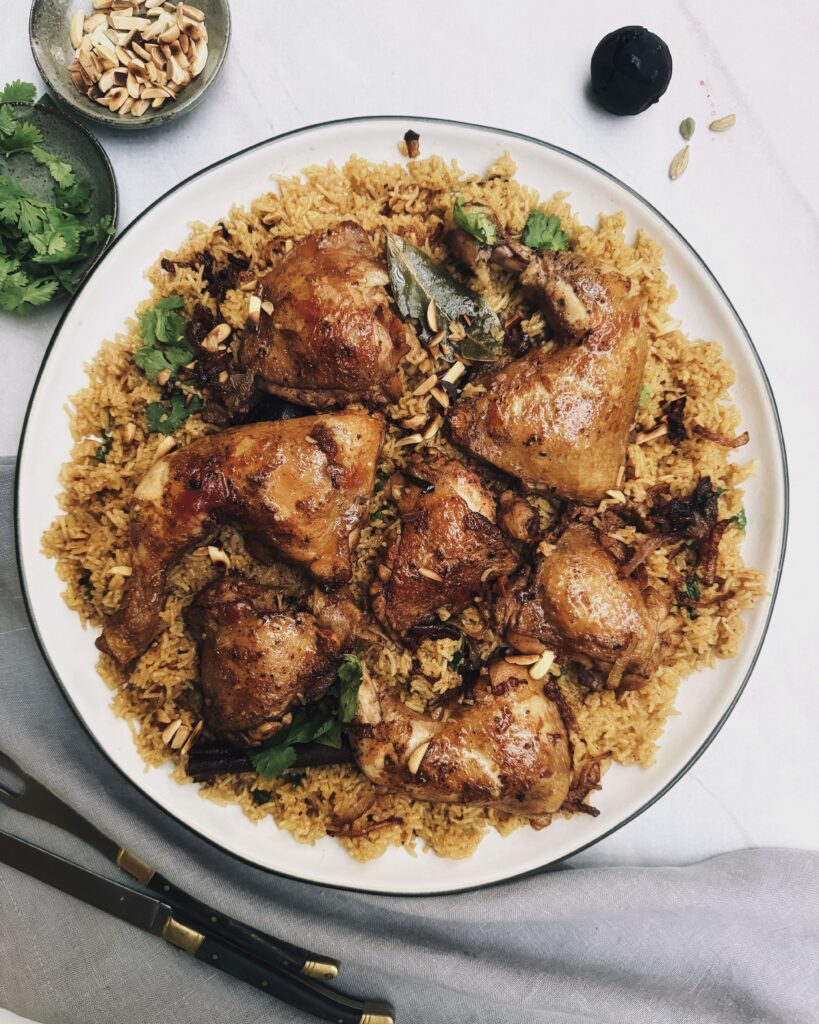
point(90, 541)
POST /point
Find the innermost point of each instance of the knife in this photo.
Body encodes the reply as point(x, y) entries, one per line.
point(154, 916)
point(38, 801)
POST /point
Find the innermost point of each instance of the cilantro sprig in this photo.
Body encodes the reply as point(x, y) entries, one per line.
point(42, 243)
point(542, 232)
point(316, 723)
point(164, 345)
point(475, 219)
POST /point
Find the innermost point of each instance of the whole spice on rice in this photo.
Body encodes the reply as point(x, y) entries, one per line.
point(687, 126)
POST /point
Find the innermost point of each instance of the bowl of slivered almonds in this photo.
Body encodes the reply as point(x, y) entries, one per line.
point(129, 64)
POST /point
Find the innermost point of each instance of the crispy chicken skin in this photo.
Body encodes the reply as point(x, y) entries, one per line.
point(258, 659)
point(331, 337)
point(508, 749)
point(577, 604)
point(447, 528)
point(559, 419)
point(297, 489)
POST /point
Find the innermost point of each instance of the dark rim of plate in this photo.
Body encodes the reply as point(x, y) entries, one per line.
point(51, 109)
point(774, 584)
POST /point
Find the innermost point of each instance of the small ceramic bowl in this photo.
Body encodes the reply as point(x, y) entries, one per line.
point(49, 34)
point(70, 141)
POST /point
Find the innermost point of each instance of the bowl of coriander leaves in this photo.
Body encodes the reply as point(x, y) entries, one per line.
point(58, 201)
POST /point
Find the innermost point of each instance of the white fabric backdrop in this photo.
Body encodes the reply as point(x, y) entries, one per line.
point(748, 203)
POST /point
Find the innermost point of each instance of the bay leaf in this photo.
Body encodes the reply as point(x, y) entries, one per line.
point(417, 280)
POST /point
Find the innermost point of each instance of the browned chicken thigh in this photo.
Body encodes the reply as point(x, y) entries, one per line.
point(258, 658)
point(507, 749)
point(577, 604)
point(559, 419)
point(294, 488)
point(449, 545)
point(326, 333)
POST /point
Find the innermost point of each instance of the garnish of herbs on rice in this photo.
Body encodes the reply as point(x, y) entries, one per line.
point(403, 506)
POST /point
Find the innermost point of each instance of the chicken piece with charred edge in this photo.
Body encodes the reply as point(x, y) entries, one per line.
point(577, 604)
point(258, 657)
point(296, 489)
point(508, 748)
point(449, 545)
point(558, 418)
point(326, 334)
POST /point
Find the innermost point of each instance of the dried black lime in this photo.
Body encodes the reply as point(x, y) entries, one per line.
point(630, 70)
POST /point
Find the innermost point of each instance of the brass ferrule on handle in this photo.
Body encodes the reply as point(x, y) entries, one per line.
point(321, 970)
point(377, 1018)
point(180, 935)
point(135, 867)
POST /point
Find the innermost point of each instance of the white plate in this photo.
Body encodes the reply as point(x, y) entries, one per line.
point(110, 295)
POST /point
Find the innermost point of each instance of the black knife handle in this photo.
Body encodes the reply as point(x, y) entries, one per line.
point(306, 995)
point(266, 948)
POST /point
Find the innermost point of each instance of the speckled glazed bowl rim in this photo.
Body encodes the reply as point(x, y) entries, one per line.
point(83, 107)
point(705, 701)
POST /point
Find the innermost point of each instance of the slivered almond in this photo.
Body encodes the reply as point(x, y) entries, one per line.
point(441, 397)
point(116, 97)
point(409, 439)
point(522, 659)
point(416, 757)
point(77, 28)
point(215, 340)
point(426, 386)
point(432, 317)
point(455, 372)
point(193, 12)
point(171, 731)
point(125, 23)
point(219, 557)
point(194, 736)
point(541, 667)
point(432, 428)
point(254, 307)
point(167, 444)
point(179, 737)
point(414, 421)
point(200, 59)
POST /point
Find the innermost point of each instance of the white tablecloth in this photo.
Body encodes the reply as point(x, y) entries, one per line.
point(748, 203)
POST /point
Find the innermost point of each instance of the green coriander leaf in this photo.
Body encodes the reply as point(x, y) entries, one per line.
point(59, 170)
point(646, 391)
point(22, 140)
point(350, 674)
point(692, 588)
point(476, 220)
point(542, 232)
point(261, 797)
point(74, 198)
point(741, 519)
point(167, 419)
point(459, 654)
point(7, 121)
point(101, 454)
point(720, 491)
point(271, 761)
point(18, 92)
point(331, 736)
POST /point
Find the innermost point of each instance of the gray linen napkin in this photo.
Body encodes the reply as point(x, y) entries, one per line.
point(731, 939)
